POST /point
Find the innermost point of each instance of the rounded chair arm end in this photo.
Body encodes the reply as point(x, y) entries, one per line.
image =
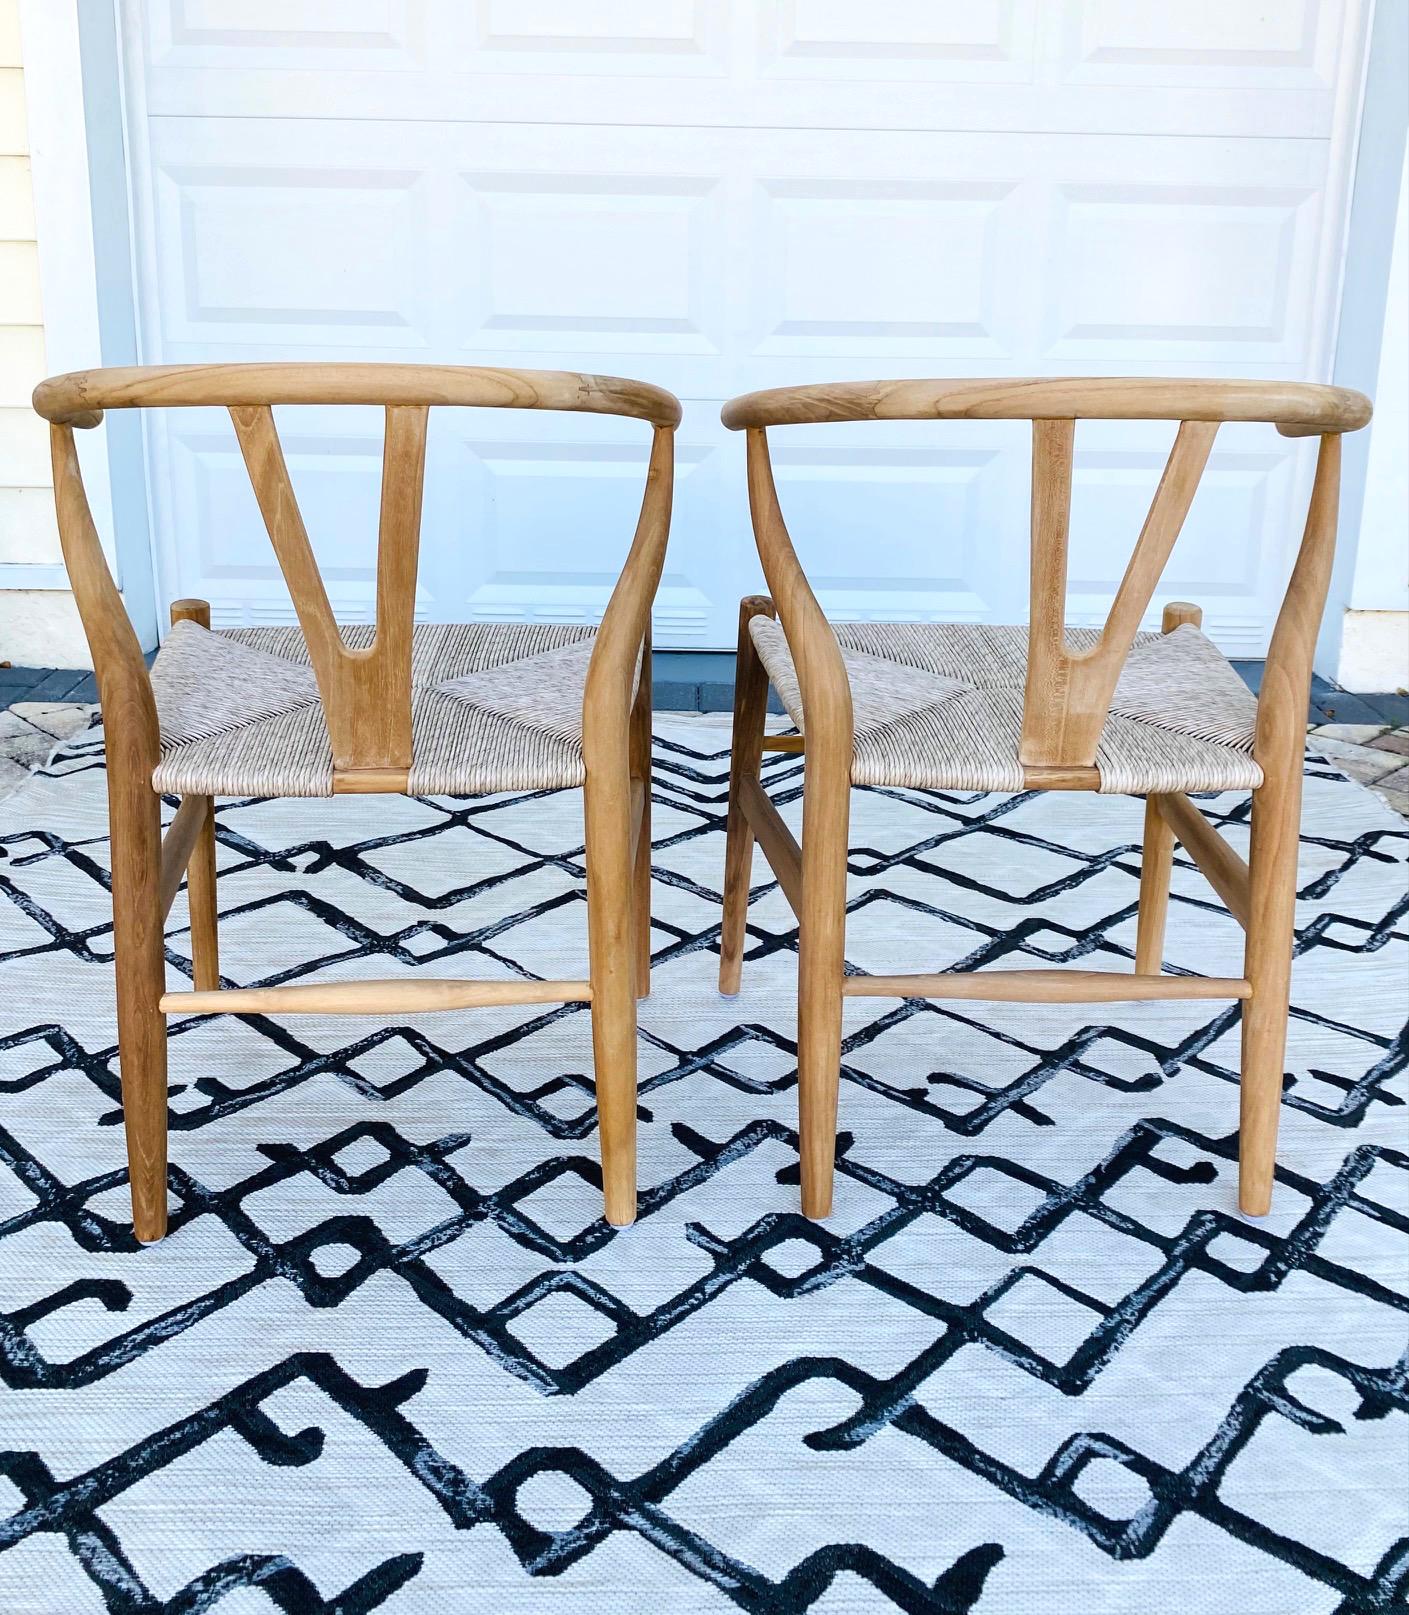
point(61, 401)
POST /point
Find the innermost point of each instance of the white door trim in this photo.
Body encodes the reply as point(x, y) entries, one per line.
point(68, 265)
point(73, 94)
point(1363, 296)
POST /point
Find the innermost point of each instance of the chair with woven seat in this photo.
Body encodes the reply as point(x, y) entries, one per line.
point(974, 707)
point(320, 710)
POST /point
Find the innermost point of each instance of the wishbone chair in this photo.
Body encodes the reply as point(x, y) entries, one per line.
point(452, 709)
point(977, 708)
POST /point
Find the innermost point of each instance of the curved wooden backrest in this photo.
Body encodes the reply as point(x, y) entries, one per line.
point(1068, 692)
point(79, 398)
point(366, 693)
point(1296, 408)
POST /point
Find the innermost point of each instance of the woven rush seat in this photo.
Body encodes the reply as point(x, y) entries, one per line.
point(495, 707)
point(938, 706)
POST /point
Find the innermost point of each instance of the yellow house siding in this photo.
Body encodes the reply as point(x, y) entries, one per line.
point(37, 627)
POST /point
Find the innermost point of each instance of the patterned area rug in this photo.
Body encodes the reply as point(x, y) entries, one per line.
point(28, 732)
point(390, 1358)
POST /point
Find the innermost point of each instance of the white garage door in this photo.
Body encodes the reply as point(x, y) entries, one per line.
point(719, 195)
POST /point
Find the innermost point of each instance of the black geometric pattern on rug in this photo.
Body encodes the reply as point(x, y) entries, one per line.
point(390, 1357)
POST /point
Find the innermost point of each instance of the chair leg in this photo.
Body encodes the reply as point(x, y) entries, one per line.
point(746, 753)
point(641, 900)
point(641, 869)
point(134, 817)
point(201, 902)
point(1157, 855)
point(200, 875)
point(1272, 868)
point(612, 968)
point(1156, 867)
point(821, 966)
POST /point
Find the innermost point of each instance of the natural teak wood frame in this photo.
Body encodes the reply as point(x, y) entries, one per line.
point(1066, 702)
point(366, 698)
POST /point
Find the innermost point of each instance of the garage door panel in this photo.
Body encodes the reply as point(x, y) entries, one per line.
point(904, 521)
point(1235, 549)
point(920, 521)
point(550, 522)
point(234, 262)
point(631, 38)
point(627, 37)
point(334, 461)
point(1206, 43)
point(661, 102)
point(726, 198)
point(737, 254)
point(1237, 527)
point(381, 35)
point(1199, 43)
point(594, 263)
point(930, 254)
point(1183, 272)
point(1204, 67)
point(991, 41)
point(527, 515)
point(535, 512)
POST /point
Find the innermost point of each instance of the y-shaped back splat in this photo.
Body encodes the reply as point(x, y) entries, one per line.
point(1068, 694)
point(366, 693)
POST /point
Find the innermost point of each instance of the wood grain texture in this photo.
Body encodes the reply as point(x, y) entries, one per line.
point(203, 906)
point(1068, 693)
point(777, 842)
point(750, 713)
point(1047, 692)
point(366, 693)
point(1279, 747)
point(79, 397)
point(381, 675)
point(121, 668)
point(134, 822)
point(366, 698)
point(1156, 869)
point(1067, 701)
point(826, 809)
point(1179, 612)
point(610, 734)
point(1219, 864)
point(1046, 986)
point(1061, 777)
point(1157, 846)
point(178, 844)
point(371, 781)
point(394, 997)
point(201, 897)
point(640, 755)
point(612, 966)
point(1298, 407)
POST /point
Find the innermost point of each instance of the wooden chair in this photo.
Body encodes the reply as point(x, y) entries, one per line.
point(949, 706)
point(391, 708)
